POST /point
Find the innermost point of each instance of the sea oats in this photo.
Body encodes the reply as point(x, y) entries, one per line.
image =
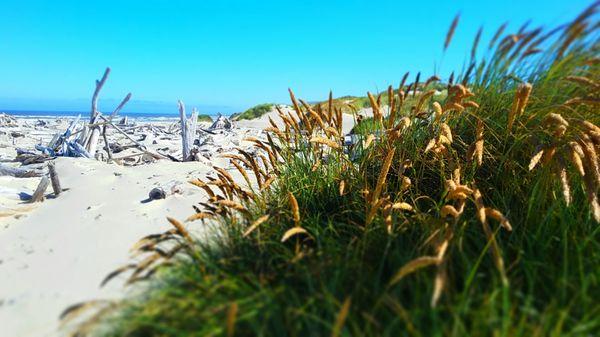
point(576, 160)
point(451, 30)
point(403, 81)
point(293, 232)
point(231, 319)
point(403, 206)
point(255, 224)
point(566, 189)
point(295, 208)
point(368, 141)
point(268, 182)
point(549, 154)
point(498, 216)
point(470, 104)
point(536, 159)
point(583, 81)
point(199, 216)
point(412, 266)
point(449, 210)
point(405, 183)
point(438, 285)
point(180, 229)
point(374, 106)
point(476, 43)
point(325, 141)
point(341, 318)
point(437, 108)
point(554, 118)
point(342, 187)
point(446, 131)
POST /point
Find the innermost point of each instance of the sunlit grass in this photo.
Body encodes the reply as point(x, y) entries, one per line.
point(406, 233)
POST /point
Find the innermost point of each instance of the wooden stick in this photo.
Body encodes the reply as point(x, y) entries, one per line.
point(93, 142)
point(182, 117)
point(188, 130)
point(130, 156)
point(99, 85)
point(125, 100)
point(54, 179)
point(123, 132)
point(38, 195)
point(17, 172)
point(77, 148)
point(106, 143)
point(139, 145)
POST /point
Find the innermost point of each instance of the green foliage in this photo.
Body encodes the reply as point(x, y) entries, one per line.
point(255, 111)
point(205, 118)
point(298, 287)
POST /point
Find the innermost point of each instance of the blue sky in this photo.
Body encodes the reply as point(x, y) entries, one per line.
point(229, 55)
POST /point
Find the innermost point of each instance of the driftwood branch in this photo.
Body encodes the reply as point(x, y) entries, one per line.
point(188, 130)
point(123, 132)
point(38, 195)
point(92, 142)
point(99, 85)
point(54, 179)
point(17, 172)
point(106, 143)
point(116, 111)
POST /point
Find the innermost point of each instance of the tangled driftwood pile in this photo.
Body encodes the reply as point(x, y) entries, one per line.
point(7, 120)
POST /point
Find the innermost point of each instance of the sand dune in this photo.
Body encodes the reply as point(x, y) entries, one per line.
point(55, 253)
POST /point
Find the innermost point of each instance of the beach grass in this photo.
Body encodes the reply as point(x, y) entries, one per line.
point(255, 111)
point(205, 118)
point(474, 213)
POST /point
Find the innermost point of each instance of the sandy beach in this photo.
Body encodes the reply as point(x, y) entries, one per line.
point(55, 253)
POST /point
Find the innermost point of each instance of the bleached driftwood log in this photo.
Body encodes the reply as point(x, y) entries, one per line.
point(54, 179)
point(38, 195)
point(123, 102)
point(17, 172)
point(92, 143)
point(106, 143)
point(222, 122)
point(188, 131)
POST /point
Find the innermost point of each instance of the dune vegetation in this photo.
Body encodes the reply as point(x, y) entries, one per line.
point(205, 118)
point(473, 215)
point(254, 112)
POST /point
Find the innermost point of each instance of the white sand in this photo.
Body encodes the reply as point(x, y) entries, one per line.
point(55, 254)
point(263, 121)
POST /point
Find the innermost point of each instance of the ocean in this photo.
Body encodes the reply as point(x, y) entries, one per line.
point(138, 116)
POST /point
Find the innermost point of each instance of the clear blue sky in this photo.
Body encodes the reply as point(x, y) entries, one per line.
point(229, 55)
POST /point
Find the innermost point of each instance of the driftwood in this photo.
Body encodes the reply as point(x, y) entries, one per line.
point(188, 131)
point(221, 123)
point(54, 179)
point(17, 172)
point(78, 150)
point(163, 192)
point(116, 111)
point(106, 143)
point(92, 142)
point(8, 120)
point(123, 133)
point(157, 193)
point(32, 158)
point(38, 195)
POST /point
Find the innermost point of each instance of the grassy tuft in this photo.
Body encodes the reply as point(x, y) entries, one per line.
point(255, 111)
point(205, 118)
point(464, 214)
